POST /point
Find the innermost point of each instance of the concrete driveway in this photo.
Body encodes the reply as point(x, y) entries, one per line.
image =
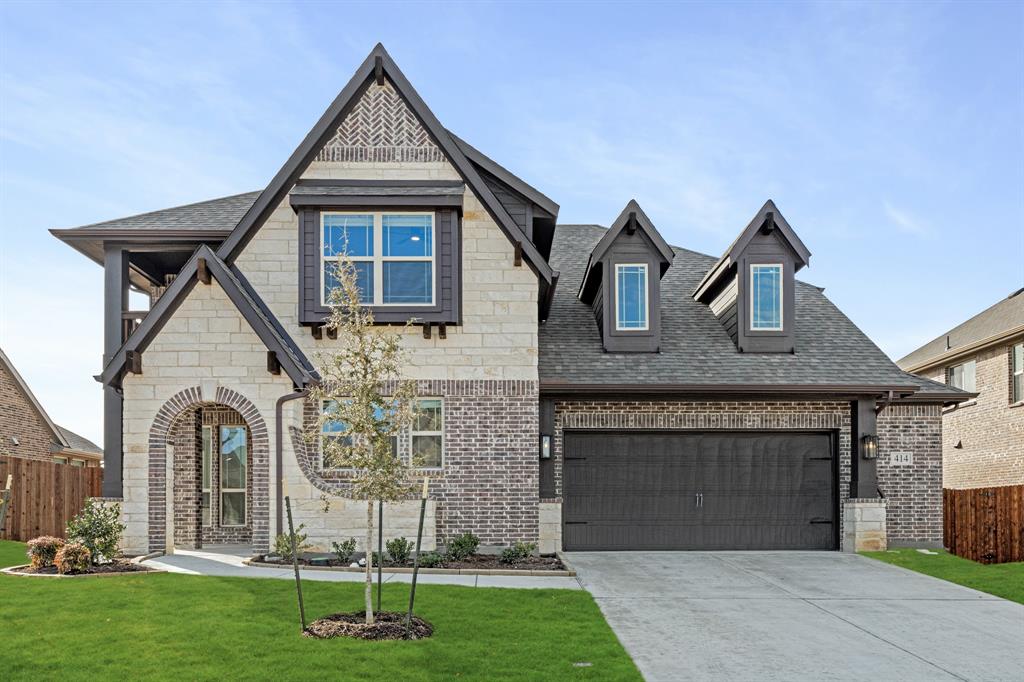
point(799, 616)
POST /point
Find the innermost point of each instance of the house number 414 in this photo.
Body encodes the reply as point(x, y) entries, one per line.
point(902, 459)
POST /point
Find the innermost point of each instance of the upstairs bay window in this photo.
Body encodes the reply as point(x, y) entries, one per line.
point(393, 256)
point(766, 297)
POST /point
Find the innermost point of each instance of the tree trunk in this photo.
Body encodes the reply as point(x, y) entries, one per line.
point(369, 562)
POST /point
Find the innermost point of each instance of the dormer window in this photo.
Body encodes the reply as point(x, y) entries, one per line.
point(631, 309)
point(393, 256)
point(766, 297)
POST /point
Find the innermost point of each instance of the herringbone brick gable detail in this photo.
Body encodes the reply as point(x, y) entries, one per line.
point(381, 128)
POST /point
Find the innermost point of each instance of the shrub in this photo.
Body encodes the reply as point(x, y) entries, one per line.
point(99, 528)
point(344, 550)
point(399, 550)
point(461, 546)
point(73, 557)
point(43, 550)
point(283, 543)
point(517, 552)
point(430, 560)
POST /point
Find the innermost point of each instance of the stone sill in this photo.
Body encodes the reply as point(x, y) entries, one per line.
point(435, 571)
point(1017, 404)
point(960, 406)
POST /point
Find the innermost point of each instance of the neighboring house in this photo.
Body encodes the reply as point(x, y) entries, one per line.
point(27, 432)
point(983, 438)
point(581, 387)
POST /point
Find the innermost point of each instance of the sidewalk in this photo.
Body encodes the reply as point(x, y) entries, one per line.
point(227, 561)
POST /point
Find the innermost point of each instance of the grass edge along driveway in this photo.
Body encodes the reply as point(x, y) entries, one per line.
point(196, 627)
point(1001, 580)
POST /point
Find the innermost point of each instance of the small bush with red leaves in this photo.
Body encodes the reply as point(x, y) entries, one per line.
point(73, 558)
point(43, 550)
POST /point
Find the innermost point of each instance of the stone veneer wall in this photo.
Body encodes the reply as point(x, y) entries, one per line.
point(990, 429)
point(488, 482)
point(914, 495)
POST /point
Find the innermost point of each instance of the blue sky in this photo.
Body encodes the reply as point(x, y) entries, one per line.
point(890, 135)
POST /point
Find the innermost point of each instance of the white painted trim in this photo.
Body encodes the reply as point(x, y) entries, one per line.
point(379, 259)
point(782, 298)
point(647, 298)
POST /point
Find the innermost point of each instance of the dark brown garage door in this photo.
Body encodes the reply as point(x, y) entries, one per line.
point(690, 490)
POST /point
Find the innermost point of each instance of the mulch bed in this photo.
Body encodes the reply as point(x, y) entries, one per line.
point(474, 561)
point(387, 625)
point(116, 566)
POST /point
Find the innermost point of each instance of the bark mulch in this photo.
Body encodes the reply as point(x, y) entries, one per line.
point(116, 566)
point(387, 625)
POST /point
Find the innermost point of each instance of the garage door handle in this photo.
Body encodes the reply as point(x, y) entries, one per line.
point(821, 520)
point(575, 523)
point(570, 458)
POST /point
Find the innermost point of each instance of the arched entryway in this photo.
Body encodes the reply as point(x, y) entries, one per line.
point(209, 479)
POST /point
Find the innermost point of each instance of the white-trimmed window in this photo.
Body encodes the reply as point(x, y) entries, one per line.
point(77, 462)
point(428, 434)
point(60, 460)
point(393, 255)
point(206, 473)
point(963, 376)
point(234, 463)
point(1017, 377)
point(631, 296)
point(766, 297)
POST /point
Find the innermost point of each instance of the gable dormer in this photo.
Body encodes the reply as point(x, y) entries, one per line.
point(622, 283)
point(750, 288)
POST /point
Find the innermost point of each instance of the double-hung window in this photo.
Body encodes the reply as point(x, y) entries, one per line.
point(207, 473)
point(766, 297)
point(234, 462)
point(393, 255)
point(338, 430)
point(962, 376)
point(631, 297)
point(1017, 369)
point(428, 434)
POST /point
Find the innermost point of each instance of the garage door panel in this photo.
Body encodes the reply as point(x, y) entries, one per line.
point(711, 490)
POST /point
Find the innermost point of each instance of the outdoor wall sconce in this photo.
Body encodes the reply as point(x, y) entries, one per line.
point(869, 447)
point(545, 447)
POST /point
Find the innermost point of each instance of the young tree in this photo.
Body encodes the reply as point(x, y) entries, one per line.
point(366, 403)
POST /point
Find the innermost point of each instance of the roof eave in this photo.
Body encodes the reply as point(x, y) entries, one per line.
point(573, 388)
point(959, 352)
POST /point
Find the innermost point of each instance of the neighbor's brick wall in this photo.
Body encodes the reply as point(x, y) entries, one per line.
point(914, 497)
point(19, 419)
point(991, 430)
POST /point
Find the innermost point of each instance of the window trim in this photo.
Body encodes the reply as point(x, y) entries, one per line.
point(245, 478)
point(1014, 371)
point(647, 297)
point(378, 259)
point(782, 298)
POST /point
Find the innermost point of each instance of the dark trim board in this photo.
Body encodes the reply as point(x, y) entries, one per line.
point(706, 521)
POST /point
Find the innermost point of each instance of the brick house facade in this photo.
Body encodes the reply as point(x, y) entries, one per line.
point(983, 438)
point(513, 340)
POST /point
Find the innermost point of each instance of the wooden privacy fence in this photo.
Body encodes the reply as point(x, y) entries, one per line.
point(984, 524)
point(45, 496)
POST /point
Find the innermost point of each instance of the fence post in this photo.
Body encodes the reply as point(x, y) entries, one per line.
point(5, 497)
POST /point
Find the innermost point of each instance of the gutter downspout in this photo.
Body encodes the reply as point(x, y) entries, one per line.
point(279, 454)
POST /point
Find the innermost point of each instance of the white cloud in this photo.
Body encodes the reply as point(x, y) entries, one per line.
point(904, 221)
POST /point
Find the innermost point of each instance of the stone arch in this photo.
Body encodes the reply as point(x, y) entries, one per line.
point(160, 431)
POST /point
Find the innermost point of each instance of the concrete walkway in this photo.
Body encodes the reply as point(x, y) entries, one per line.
point(799, 616)
point(227, 561)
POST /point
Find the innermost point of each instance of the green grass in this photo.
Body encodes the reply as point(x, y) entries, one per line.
point(1002, 580)
point(195, 627)
point(12, 553)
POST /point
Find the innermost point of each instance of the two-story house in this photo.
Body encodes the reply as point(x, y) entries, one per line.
point(581, 386)
point(983, 438)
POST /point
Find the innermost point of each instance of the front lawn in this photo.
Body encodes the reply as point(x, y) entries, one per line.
point(12, 553)
point(1002, 580)
point(168, 626)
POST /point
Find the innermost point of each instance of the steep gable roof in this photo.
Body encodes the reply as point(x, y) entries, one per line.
point(31, 397)
point(79, 443)
point(377, 67)
point(769, 218)
point(999, 321)
point(632, 217)
point(245, 299)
